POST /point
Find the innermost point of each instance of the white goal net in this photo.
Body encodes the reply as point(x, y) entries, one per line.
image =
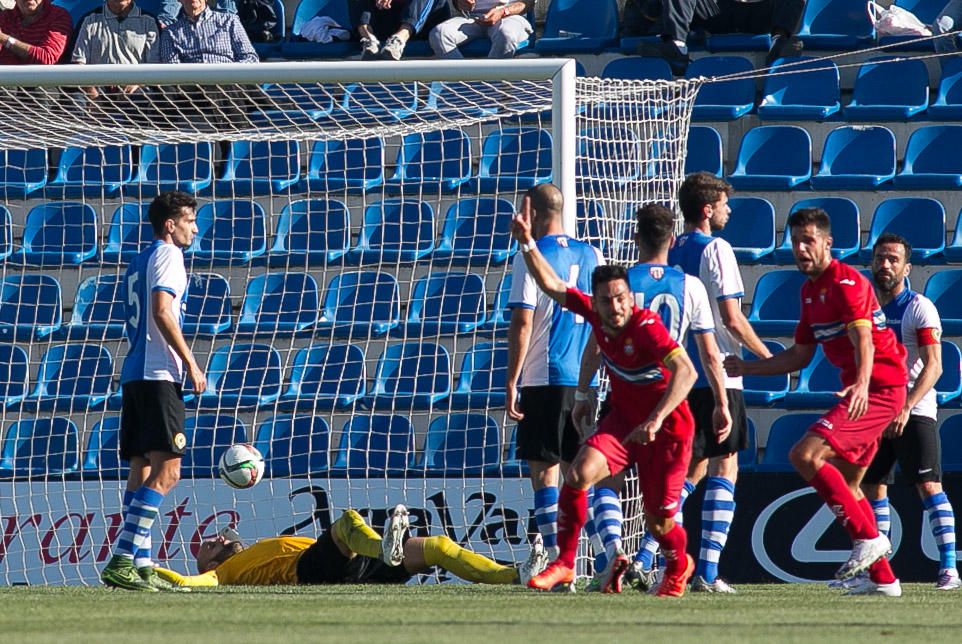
point(346, 295)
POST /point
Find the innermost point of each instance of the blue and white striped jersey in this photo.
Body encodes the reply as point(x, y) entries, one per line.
point(680, 299)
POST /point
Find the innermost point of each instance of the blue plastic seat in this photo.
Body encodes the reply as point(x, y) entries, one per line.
point(739, 42)
point(58, 234)
point(856, 157)
point(921, 220)
point(846, 228)
point(241, 376)
point(748, 457)
point(835, 24)
point(230, 232)
point(784, 433)
point(947, 105)
point(434, 161)
point(477, 231)
point(91, 172)
point(765, 390)
point(99, 311)
point(514, 159)
point(500, 314)
point(462, 99)
point(926, 165)
point(129, 233)
point(773, 157)
point(278, 304)
point(39, 447)
point(360, 303)
point(77, 8)
point(22, 172)
point(311, 232)
point(72, 377)
point(371, 104)
point(30, 307)
point(579, 27)
point(279, 31)
point(926, 11)
point(889, 89)
point(591, 217)
point(207, 308)
point(951, 437)
point(704, 151)
point(300, 102)
point(376, 445)
point(637, 68)
point(482, 377)
point(948, 388)
point(295, 48)
point(462, 444)
point(817, 384)
point(394, 230)
point(293, 446)
point(943, 288)
point(174, 166)
point(325, 377)
point(607, 156)
point(256, 168)
point(953, 251)
point(101, 458)
point(410, 375)
point(14, 372)
point(810, 93)
point(445, 303)
point(722, 100)
point(209, 436)
point(750, 229)
point(776, 302)
point(6, 234)
point(512, 465)
point(352, 166)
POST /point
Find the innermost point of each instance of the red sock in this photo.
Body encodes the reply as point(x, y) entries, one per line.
point(881, 571)
point(831, 486)
point(673, 544)
point(572, 514)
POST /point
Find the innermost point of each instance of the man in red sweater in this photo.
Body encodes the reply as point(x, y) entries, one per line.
point(34, 32)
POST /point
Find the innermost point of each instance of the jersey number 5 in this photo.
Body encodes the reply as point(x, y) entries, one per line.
point(133, 301)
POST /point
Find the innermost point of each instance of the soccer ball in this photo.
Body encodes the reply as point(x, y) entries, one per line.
point(241, 466)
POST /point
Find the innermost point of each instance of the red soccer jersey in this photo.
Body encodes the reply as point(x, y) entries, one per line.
point(634, 359)
point(838, 300)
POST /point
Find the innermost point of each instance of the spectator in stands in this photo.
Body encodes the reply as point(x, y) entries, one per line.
point(395, 22)
point(34, 32)
point(170, 9)
point(202, 35)
point(502, 21)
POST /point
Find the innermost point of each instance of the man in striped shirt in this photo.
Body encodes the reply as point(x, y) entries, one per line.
point(202, 35)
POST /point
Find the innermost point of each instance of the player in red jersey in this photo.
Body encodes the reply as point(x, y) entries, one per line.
point(649, 423)
point(840, 312)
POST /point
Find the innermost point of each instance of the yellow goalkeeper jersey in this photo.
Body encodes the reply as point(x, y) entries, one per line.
point(269, 562)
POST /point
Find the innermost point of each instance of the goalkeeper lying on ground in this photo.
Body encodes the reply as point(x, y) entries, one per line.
point(351, 552)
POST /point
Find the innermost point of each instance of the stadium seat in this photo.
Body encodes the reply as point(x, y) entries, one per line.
point(241, 376)
point(500, 315)
point(99, 311)
point(512, 465)
point(816, 387)
point(173, 166)
point(513, 159)
point(230, 232)
point(947, 105)
point(394, 230)
point(637, 68)
point(293, 446)
point(921, 220)
point(856, 157)
point(590, 217)
point(951, 434)
point(846, 228)
point(72, 377)
point(430, 162)
point(773, 157)
point(943, 288)
point(374, 104)
point(738, 42)
point(579, 27)
point(352, 166)
point(278, 31)
point(278, 304)
point(6, 234)
point(722, 100)
point(926, 165)
point(748, 457)
point(835, 25)
point(91, 172)
point(313, 102)
point(482, 377)
point(949, 385)
point(776, 302)
point(22, 172)
point(128, 234)
point(445, 303)
point(477, 231)
point(784, 433)
point(325, 377)
point(750, 229)
point(30, 307)
point(207, 308)
point(926, 11)
point(764, 391)
point(259, 168)
point(811, 93)
point(889, 89)
point(376, 445)
point(78, 8)
point(311, 232)
point(463, 99)
point(39, 447)
point(360, 303)
point(294, 47)
point(607, 156)
point(208, 436)
point(101, 458)
point(58, 234)
point(704, 153)
point(953, 251)
point(14, 372)
point(462, 444)
point(410, 375)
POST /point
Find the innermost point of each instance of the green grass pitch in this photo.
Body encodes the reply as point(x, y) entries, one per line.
point(358, 614)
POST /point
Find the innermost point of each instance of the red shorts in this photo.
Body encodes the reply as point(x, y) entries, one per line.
point(662, 464)
point(856, 441)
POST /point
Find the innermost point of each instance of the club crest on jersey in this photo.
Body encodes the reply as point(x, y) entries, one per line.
point(656, 272)
point(629, 348)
